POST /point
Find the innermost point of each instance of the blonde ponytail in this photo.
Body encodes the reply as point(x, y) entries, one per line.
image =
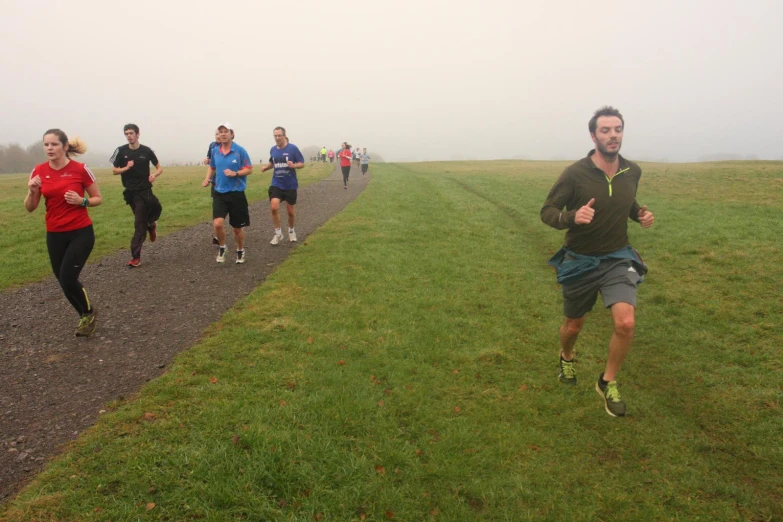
point(76, 146)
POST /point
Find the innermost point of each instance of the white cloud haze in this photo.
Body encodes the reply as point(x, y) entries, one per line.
point(413, 80)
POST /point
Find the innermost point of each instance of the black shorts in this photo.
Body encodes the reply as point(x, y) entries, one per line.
point(233, 204)
point(365, 166)
point(288, 196)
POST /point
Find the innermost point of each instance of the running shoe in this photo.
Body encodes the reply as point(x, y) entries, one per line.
point(86, 324)
point(292, 237)
point(240, 257)
point(133, 263)
point(613, 403)
point(153, 229)
point(276, 239)
point(567, 371)
point(221, 257)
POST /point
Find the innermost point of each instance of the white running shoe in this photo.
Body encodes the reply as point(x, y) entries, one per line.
point(221, 257)
point(292, 237)
point(240, 257)
point(276, 239)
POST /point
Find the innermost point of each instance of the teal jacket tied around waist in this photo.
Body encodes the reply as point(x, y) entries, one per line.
point(571, 266)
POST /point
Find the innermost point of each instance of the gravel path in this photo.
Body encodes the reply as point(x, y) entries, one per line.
point(53, 384)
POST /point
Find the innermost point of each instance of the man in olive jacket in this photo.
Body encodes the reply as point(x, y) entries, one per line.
point(593, 200)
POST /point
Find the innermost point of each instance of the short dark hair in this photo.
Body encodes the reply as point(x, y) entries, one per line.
point(282, 129)
point(606, 110)
point(131, 126)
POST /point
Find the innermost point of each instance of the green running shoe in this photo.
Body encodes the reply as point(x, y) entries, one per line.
point(86, 324)
point(613, 403)
point(567, 371)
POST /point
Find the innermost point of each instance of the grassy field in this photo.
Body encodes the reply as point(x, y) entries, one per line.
point(185, 203)
point(403, 366)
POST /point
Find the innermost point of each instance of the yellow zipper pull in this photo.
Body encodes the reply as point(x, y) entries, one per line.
point(609, 180)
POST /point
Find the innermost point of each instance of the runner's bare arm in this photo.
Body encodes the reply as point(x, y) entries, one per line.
point(158, 172)
point(33, 197)
point(210, 176)
point(245, 171)
point(93, 195)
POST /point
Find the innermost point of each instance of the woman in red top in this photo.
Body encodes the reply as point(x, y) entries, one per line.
point(345, 163)
point(68, 187)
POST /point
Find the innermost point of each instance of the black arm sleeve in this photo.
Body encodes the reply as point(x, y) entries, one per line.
point(154, 158)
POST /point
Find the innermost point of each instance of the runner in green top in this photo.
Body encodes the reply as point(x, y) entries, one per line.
point(593, 200)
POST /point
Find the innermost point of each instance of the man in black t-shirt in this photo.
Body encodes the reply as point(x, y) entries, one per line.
point(132, 163)
point(212, 145)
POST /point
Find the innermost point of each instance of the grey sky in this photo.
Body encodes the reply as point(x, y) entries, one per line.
point(411, 79)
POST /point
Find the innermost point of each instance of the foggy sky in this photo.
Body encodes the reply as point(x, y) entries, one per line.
point(410, 79)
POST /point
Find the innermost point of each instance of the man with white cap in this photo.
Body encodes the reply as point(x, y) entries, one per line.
point(229, 167)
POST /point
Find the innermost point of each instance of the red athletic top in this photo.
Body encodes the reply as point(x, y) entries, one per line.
point(345, 158)
point(61, 216)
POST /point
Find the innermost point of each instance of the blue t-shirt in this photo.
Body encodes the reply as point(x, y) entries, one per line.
point(235, 160)
point(284, 177)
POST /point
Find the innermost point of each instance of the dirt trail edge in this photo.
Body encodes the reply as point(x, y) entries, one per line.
point(53, 384)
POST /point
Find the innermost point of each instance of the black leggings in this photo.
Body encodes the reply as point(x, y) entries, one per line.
point(346, 172)
point(141, 225)
point(68, 252)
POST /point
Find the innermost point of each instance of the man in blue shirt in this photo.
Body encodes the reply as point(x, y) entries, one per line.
point(284, 158)
point(229, 167)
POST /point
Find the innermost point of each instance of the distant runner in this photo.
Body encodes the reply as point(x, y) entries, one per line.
point(132, 163)
point(284, 159)
point(593, 200)
point(345, 163)
point(229, 167)
point(364, 159)
point(355, 156)
point(212, 145)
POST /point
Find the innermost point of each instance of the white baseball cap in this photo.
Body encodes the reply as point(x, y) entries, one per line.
point(227, 125)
